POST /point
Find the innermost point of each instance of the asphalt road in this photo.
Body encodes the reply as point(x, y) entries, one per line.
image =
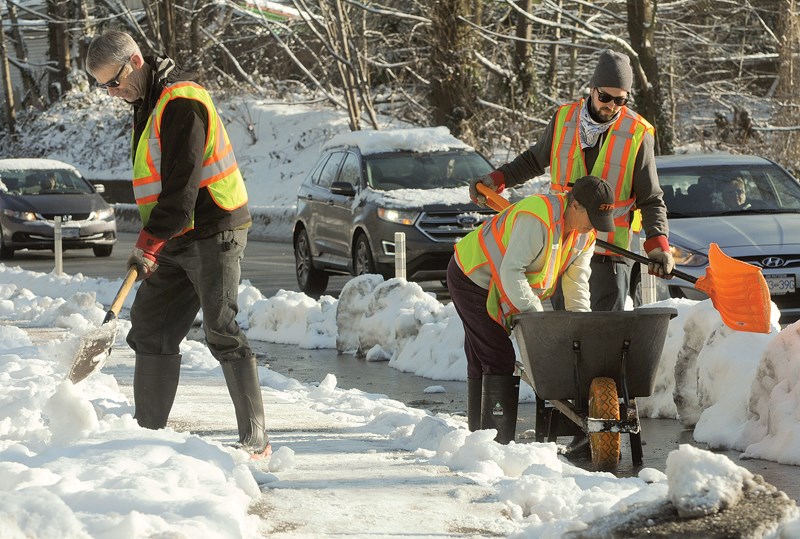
point(269, 266)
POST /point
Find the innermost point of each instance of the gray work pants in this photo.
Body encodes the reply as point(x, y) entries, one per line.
point(192, 274)
point(608, 284)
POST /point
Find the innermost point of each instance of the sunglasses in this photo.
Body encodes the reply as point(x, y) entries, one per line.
point(113, 83)
point(607, 98)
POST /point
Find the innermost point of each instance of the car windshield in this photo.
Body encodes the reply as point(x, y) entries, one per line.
point(724, 190)
point(407, 170)
point(42, 182)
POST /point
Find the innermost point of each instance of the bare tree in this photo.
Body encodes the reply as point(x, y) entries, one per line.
point(59, 51)
point(453, 85)
point(649, 102)
point(33, 95)
point(11, 118)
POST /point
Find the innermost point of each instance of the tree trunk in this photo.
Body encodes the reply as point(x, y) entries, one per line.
point(525, 94)
point(58, 34)
point(555, 51)
point(11, 118)
point(33, 94)
point(453, 88)
point(168, 28)
point(649, 101)
point(787, 110)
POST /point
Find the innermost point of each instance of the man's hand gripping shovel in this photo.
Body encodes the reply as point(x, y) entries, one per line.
point(95, 345)
point(737, 289)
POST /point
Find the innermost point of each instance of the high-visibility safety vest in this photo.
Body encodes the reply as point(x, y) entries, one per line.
point(220, 173)
point(488, 244)
point(614, 163)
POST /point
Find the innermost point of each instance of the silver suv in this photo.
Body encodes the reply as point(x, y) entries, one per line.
point(366, 186)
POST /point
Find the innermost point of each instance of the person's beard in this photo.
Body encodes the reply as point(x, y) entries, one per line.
point(601, 116)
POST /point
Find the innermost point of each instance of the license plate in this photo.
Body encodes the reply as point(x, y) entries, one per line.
point(70, 232)
point(780, 284)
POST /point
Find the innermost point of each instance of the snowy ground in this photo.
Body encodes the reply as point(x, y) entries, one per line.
point(75, 464)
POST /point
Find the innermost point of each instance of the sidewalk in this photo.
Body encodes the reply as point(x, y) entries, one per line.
point(341, 479)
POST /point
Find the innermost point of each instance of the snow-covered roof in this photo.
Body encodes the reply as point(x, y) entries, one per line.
point(418, 139)
point(34, 164)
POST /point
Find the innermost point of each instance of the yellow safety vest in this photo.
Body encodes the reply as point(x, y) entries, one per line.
point(220, 172)
point(488, 244)
point(614, 163)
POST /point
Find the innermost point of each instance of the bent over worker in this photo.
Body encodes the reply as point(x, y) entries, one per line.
point(603, 137)
point(193, 204)
point(508, 266)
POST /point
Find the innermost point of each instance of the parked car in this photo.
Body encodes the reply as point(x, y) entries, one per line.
point(366, 186)
point(34, 191)
point(749, 206)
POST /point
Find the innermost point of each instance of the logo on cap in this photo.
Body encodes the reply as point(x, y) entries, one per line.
point(606, 207)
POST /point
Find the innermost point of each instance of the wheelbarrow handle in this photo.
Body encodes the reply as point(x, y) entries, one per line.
point(642, 259)
point(499, 203)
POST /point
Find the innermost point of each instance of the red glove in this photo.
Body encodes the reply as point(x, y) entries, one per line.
point(495, 179)
point(145, 254)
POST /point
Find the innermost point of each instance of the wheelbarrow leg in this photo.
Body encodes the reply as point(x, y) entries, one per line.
point(636, 448)
point(541, 420)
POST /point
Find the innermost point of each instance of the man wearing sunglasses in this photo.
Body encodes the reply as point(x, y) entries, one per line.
point(601, 136)
point(193, 204)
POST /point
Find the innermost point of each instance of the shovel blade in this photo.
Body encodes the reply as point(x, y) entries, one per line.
point(93, 351)
point(738, 291)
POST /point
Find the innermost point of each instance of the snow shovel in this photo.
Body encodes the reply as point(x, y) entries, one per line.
point(96, 344)
point(737, 289)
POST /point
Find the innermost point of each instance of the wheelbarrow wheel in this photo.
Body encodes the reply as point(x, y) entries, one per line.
point(604, 404)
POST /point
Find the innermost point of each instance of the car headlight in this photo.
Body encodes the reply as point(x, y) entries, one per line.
point(107, 213)
point(398, 216)
point(21, 215)
point(686, 257)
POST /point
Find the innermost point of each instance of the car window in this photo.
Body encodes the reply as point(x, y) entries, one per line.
point(43, 182)
point(328, 173)
point(406, 170)
point(351, 172)
point(698, 191)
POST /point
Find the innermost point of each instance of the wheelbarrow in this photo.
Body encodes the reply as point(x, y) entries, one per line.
point(589, 367)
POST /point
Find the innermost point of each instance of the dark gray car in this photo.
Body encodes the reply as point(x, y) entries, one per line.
point(367, 186)
point(34, 191)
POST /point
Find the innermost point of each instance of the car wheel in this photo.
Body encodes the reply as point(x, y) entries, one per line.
point(102, 250)
point(6, 252)
point(363, 262)
point(311, 280)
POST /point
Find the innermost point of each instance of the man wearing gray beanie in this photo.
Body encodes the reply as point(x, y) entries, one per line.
point(601, 136)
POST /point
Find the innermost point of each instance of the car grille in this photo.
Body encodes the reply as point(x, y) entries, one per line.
point(450, 226)
point(776, 264)
point(66, 218)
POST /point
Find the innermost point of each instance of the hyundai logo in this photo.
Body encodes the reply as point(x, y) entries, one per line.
point(773, 262)
point(466, 220)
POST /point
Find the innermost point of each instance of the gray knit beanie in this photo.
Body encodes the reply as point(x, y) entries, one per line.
point(613, 71)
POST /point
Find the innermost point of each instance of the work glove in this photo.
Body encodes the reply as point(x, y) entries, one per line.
point(494, 180)
point(661, 263)
point(144, 254)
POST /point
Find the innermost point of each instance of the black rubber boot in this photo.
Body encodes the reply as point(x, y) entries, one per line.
point(499, 405)
point(241, 376)
point(474, 396)
point(155, 382)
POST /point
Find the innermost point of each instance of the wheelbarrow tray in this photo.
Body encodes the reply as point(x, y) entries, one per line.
point(623, 345)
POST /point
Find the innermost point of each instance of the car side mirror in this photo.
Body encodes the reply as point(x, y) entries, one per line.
point(343, 188)
point(100, 188)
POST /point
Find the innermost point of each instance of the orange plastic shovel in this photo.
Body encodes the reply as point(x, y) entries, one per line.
point(737, 289)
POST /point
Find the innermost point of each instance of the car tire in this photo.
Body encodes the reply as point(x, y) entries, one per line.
point(102, 251)
point(311, 280)
point(363, 262)
point(6, 253)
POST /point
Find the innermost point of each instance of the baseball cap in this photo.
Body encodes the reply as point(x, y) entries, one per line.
point(598, 198)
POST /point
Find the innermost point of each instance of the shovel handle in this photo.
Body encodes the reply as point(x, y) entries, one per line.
point(119, 299)
point(499, 203)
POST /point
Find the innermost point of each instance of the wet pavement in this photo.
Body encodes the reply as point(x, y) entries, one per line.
point(659, 436)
